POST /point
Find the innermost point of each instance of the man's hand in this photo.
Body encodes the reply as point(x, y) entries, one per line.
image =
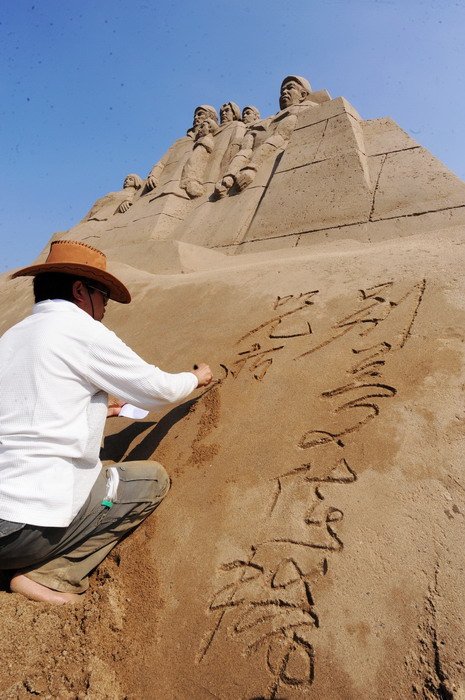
point(114, 407)
point(203, 373)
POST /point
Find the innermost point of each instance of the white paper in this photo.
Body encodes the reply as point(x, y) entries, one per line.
point(130, 411)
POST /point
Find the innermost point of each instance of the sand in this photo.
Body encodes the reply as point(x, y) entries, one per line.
point(311, 545)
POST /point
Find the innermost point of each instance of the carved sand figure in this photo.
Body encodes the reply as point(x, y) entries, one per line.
point(115, 202)
point(268, 137)
point(180, 147)
point(193, 173)
point(132, 183)
point(171, 154)
point(230, 121)
point(201, 113)
point(250, 114)
point(229, 112)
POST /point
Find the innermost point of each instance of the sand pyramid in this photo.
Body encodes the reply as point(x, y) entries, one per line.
point(312, 543)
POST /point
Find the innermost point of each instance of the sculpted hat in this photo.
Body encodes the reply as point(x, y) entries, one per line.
point(76, 258)
point(211, 111)
point(298, 79)
point(253, 109)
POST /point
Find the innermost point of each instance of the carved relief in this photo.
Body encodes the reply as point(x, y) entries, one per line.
point(201, 113)
point(115, 202)
point(193, 174)
point(179, 148)
point(267, 602)
point(229, 112)
point(250, 114)
point(230, 121)
point(267, 138)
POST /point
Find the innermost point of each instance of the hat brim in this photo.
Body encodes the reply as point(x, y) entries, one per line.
point(116, 289)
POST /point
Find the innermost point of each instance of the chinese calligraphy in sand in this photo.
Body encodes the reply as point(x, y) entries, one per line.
point(268, 601)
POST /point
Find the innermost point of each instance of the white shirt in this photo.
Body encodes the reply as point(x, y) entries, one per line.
point(57, 367)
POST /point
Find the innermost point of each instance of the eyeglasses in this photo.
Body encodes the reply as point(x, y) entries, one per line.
point(105, 294)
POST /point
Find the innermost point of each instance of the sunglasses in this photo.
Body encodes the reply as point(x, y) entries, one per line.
point(105, 294)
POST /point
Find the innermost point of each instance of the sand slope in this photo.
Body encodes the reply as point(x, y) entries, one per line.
point(312, 543)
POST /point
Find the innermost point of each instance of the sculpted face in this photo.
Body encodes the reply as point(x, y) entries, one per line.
point(129, 182)
point(249, 116)
point(292, 93)
point(199, 116)
point(226, 114)
point(204, 129)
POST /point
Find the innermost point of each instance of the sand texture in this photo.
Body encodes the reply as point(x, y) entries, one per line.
point(311, 546)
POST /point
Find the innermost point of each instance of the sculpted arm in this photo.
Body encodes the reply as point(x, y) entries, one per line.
point(276, 141)
point(243, 155)
point(155, 174)
point(239, 161)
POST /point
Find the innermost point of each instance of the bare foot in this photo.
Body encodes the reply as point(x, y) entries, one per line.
point(35, 591)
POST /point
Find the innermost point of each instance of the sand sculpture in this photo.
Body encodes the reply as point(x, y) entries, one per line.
point(265, 139)
point(194, 170)
point(229, 112)
point(312, 544)
point(115, 202)
point(250, 114)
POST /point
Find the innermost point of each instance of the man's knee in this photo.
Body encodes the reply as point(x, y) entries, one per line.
point(161, 476)
point(144, 481)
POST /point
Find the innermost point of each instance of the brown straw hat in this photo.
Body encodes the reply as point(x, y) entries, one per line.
point(76, 258)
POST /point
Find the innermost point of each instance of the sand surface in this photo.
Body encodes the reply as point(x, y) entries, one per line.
point(311, 546)
point(312, 543)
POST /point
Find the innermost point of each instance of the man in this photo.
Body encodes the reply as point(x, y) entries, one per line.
point(60, 513)
point(267, 138)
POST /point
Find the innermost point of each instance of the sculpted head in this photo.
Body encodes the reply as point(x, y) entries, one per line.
point(250, 114)
point(294, 90)
point(132, 180)
point(229, 112)
point(204, 112)
point(209, 126)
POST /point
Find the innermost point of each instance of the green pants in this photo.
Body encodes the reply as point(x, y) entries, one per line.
point(62, 558)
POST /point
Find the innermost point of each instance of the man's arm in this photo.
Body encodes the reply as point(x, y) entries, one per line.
point(116, 369)
point(203, 374)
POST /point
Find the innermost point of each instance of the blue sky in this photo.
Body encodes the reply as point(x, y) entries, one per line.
point(95, 89)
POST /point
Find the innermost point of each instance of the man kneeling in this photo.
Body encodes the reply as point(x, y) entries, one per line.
point(60, 512)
